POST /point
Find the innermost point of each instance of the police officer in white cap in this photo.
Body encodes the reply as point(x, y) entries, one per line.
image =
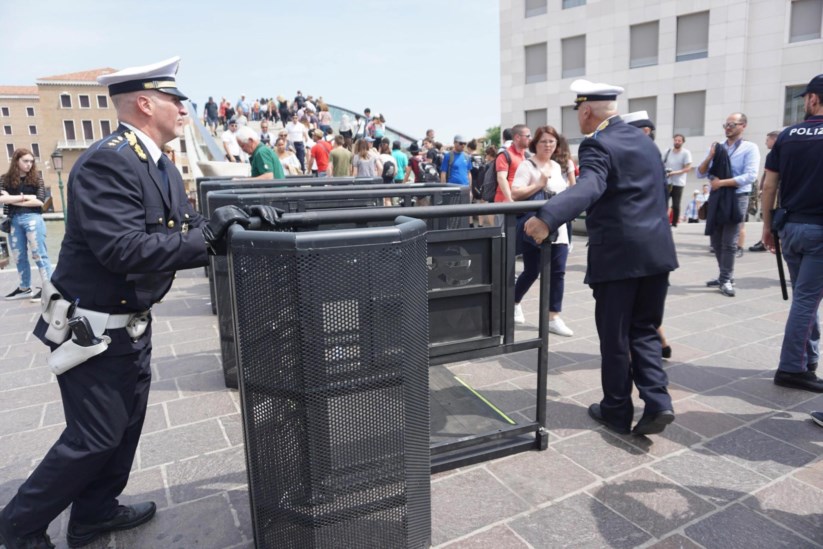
point(630, 254)
point(129, 227)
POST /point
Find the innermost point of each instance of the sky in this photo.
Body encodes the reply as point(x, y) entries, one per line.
point(422, 63)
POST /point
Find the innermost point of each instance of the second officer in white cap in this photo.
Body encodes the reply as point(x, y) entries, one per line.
point(129, 227)
point(630, 254)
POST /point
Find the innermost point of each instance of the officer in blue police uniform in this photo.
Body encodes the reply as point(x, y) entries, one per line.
point(129, 227)
point(795, 168)
point(630, 255)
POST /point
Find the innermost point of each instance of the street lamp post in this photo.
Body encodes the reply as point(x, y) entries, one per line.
point(57, 162)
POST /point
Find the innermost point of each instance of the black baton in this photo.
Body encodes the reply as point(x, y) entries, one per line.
point(780, 272)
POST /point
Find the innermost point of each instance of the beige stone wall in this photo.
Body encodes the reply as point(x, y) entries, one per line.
point(53, 115)
point(19, 123)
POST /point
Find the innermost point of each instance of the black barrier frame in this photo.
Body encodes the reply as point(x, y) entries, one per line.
point(207, 185)
point(471, 449)
point(301, 199)
point(204, 185)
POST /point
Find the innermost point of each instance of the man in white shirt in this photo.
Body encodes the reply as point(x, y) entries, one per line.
point(298, 135)
point(678, 162)
point(230, 144)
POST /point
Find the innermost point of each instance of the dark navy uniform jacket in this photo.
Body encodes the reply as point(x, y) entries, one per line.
point(622, 191)
point(796, 157)
point(125, 234)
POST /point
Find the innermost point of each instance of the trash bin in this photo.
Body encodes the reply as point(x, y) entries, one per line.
point(332, 340)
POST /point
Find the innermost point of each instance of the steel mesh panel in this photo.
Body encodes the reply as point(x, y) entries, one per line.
point(331, 199)
point(333, 359)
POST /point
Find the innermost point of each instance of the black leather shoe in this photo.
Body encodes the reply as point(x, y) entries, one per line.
point(596, 414)
point(817, 417)
point(79, 535)
point(667, 352)
point(806, 381)
point(37, 541)
point(652, 424)
point(812, 367)
point(759, 247)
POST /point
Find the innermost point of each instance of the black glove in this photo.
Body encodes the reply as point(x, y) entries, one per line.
point(269, 215)
point(217, 228)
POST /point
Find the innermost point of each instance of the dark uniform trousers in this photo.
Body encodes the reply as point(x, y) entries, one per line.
point(628, 313)
point(104, 401)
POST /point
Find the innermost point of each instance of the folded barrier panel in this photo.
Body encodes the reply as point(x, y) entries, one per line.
point(332, 344)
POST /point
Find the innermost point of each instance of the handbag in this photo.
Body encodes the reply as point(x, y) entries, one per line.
point(5, 225)
point(703, 210)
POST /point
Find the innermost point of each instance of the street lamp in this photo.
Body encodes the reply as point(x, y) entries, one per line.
point(57, 162)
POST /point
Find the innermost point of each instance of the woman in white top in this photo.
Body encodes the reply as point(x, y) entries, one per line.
point(533, 178)
point(288, 159)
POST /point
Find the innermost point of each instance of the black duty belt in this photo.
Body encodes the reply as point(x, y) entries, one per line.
point(811, 219)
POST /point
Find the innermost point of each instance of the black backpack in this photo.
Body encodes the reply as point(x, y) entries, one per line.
point(427, 172)
point(389, 171)
point(489, 187)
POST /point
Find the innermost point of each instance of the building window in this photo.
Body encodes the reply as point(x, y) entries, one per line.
point(573, 3)
point(32, 129)
point(536, 63)
point(643, 44)
point(689, 113)
point(9, 150)
point(536, 118)
point(185, 170)
point(35, 150)
point(571, 127)
point(806, 20)
point(105, 128)
point(648, 104)
point(68, 129)
point(536, 7)
point(4, 111)
point(7, 130)
point(183, 146)
point(102, 101)
point(88, 131)
point(65, 101)
point(574, 56)
point(794, 110)
point(693, 36)
point(29, 111)
point(85, 102)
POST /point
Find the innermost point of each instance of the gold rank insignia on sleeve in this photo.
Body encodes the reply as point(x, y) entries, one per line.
point(114, 141)
point(138, 150)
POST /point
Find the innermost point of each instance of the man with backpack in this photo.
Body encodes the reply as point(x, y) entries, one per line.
point(457, 164)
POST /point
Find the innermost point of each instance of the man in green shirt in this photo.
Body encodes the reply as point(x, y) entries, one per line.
point(264, 161)
point(340, 158)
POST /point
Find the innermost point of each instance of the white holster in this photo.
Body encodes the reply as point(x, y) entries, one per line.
point(70, 354)
point(55, 311)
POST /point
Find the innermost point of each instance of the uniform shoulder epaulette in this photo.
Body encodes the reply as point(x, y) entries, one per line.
point(135, 146)
point(114, 141)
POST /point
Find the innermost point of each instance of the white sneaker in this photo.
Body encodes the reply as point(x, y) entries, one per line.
point(519, 318)
point(557, 326)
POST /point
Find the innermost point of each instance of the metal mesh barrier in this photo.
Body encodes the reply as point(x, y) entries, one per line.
point(312, 200)
point(332, 339)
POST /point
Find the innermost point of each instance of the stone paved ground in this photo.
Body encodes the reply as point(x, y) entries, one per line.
point(741, 466)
